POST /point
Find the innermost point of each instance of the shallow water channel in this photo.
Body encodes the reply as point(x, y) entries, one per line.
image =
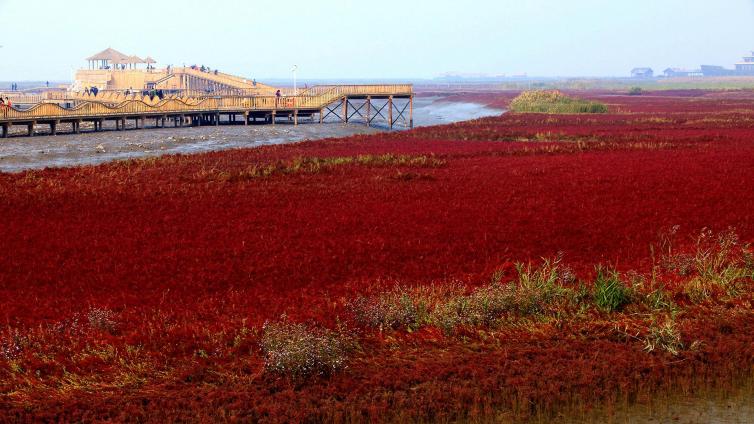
point(20, 153)
point(734, 406)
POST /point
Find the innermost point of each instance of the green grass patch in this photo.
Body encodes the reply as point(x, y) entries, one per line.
point(554, 102)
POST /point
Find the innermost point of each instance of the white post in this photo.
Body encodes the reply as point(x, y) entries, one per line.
point(295, 88)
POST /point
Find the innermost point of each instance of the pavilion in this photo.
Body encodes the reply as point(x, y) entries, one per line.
point(113, 59)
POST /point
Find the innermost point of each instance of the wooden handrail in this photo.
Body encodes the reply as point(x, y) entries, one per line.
point(116, 104)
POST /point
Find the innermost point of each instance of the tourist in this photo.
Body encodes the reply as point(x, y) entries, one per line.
point(95, 90)
point(48, 84)
point(86, 91)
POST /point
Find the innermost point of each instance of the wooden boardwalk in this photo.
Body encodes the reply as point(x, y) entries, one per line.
point(369, 103)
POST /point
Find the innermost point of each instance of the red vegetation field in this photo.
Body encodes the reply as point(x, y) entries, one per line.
point(139, 290)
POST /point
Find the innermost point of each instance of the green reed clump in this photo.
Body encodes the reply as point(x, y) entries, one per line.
point(532, 293)
point(554, 102)
point(610, 294)
point(720, 264)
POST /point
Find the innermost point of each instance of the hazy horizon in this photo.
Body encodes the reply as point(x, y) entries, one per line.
point(393, 39)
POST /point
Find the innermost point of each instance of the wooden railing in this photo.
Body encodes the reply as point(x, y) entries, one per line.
point(219, 77)
point(117, 104)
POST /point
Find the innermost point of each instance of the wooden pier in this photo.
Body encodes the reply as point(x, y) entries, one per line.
point(370, 104)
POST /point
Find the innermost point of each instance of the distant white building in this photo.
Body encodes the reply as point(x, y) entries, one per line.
point(642, 73)
point(747, 66)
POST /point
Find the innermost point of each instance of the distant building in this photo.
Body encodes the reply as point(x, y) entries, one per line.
point(747, 66)
point(642, 73)
point(682, 73)
point(716, 71)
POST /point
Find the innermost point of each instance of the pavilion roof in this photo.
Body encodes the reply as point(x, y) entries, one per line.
point(108, 54)
point(149, 60)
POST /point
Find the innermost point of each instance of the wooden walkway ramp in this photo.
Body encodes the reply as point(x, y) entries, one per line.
point(389, 104)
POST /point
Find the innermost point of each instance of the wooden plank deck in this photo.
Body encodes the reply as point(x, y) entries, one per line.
point(116, 106)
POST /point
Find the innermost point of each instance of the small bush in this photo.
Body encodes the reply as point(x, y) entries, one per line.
point(610, 294)
point(720, 266)
point(299, 351)
point(12, 346)
point(553, 102)
point(402, 308)
point(666, 337)
point(102, 319)
point(635, 91)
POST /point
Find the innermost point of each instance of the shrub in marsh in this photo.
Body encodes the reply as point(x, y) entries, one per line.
point(299, 351)
point(635, 91)
point(720, 265)
point(406, 308)
point(532, 293)
point(665, 336)
point(102, 319)
point(12, 345)
point(610, 294)
point(554, 102)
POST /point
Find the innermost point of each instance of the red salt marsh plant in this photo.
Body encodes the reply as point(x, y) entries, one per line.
point(191, 260)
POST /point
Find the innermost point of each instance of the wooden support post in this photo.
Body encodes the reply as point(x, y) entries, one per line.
point(295, 117)
point(6, 129)
point(411, 112)
point(345, 109)
point(54, 127)
point(272, 118)
point(182, 119)
point(369, 110)
point(123, 124)
point(164, 118)
point(31, 129)
point(246, 118)
point(390, 111)
point(76, 127)
point(217, 119)
point(321, 117)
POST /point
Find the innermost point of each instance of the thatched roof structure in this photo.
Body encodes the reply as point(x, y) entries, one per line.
point(108, 54)
point(149, 60)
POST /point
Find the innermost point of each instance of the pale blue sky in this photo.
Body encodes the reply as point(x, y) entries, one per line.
point(46, 39)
